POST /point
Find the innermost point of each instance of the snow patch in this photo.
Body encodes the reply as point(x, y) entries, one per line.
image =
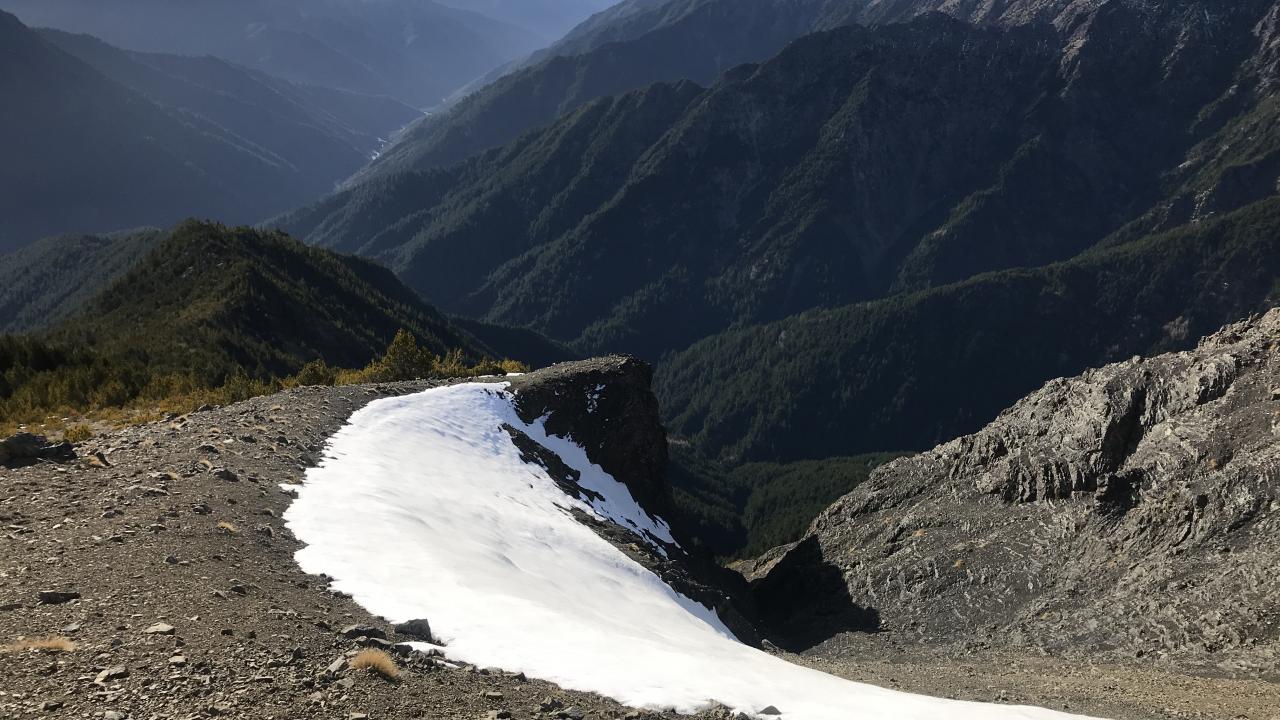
point(422, 507)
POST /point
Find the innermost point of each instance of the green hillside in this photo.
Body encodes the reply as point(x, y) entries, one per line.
point(914, 370)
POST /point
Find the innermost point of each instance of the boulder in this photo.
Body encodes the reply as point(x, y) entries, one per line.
point(419, 629)
point(25, 449)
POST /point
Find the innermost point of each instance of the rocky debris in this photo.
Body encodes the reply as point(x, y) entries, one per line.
point(253, 635)
point(57, 597)
point(160, 629)
point(1133, 511)
point(25, 449)
point(418, 629)
point(284, 626)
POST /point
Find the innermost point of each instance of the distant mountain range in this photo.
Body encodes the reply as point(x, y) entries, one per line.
point(100, 139)
point(638, 42)
point(417, 51)
point(884, 165)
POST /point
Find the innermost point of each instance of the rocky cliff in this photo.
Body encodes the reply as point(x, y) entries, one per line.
point(1127, 512)
point(606, 406)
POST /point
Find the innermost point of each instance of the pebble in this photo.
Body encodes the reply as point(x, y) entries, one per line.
point(160, 629)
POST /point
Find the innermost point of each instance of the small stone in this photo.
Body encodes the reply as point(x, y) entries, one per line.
point(549, 704)
point(493, 695)
point(71, 629)
point(160, 629)
point(358, 716)
point(178, 661)
point(337, 666)
point(351, 632)
point(115, 672)
point(572, 713)
point(57, 597)
point(499, 714)
point(51, 705)
point(225, 475)
point(114, 715)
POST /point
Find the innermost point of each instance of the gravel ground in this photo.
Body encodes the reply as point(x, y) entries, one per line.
point(178, 524)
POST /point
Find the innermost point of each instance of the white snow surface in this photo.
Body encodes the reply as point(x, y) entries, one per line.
point(422, 508)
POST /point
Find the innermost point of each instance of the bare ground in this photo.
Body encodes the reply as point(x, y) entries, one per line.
point(181, 525)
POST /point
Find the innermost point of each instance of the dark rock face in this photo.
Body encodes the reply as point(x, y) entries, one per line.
point(1132, 510)
point(606, 406)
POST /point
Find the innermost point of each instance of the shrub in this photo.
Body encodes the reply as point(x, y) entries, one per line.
point(376, 661)
point(77, 433)
point(316, 372)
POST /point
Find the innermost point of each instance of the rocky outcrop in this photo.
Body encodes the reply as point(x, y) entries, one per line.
point(1132, 510)
point(605, 405)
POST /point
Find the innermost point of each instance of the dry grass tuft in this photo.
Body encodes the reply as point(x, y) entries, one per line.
point(228, 527)
point(377, 661)
point(77, 433)
point(52, 643)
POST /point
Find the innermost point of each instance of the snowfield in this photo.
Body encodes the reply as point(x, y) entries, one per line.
point(422, 508)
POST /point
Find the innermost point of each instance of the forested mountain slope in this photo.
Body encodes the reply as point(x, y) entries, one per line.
point(837, 172)
point(47, 281)
point(213, 297)
point(638, 42)
point(697, 43)
point(913, 370)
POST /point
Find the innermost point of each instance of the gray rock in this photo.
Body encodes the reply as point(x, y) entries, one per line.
point(25, 448)
point(351, 632)
point(57, 597)
point(419, 629)
point(1132, 508)
point(115, 672)
point(160, 629)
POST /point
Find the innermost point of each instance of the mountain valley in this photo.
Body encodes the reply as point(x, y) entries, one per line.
point(640, 359)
